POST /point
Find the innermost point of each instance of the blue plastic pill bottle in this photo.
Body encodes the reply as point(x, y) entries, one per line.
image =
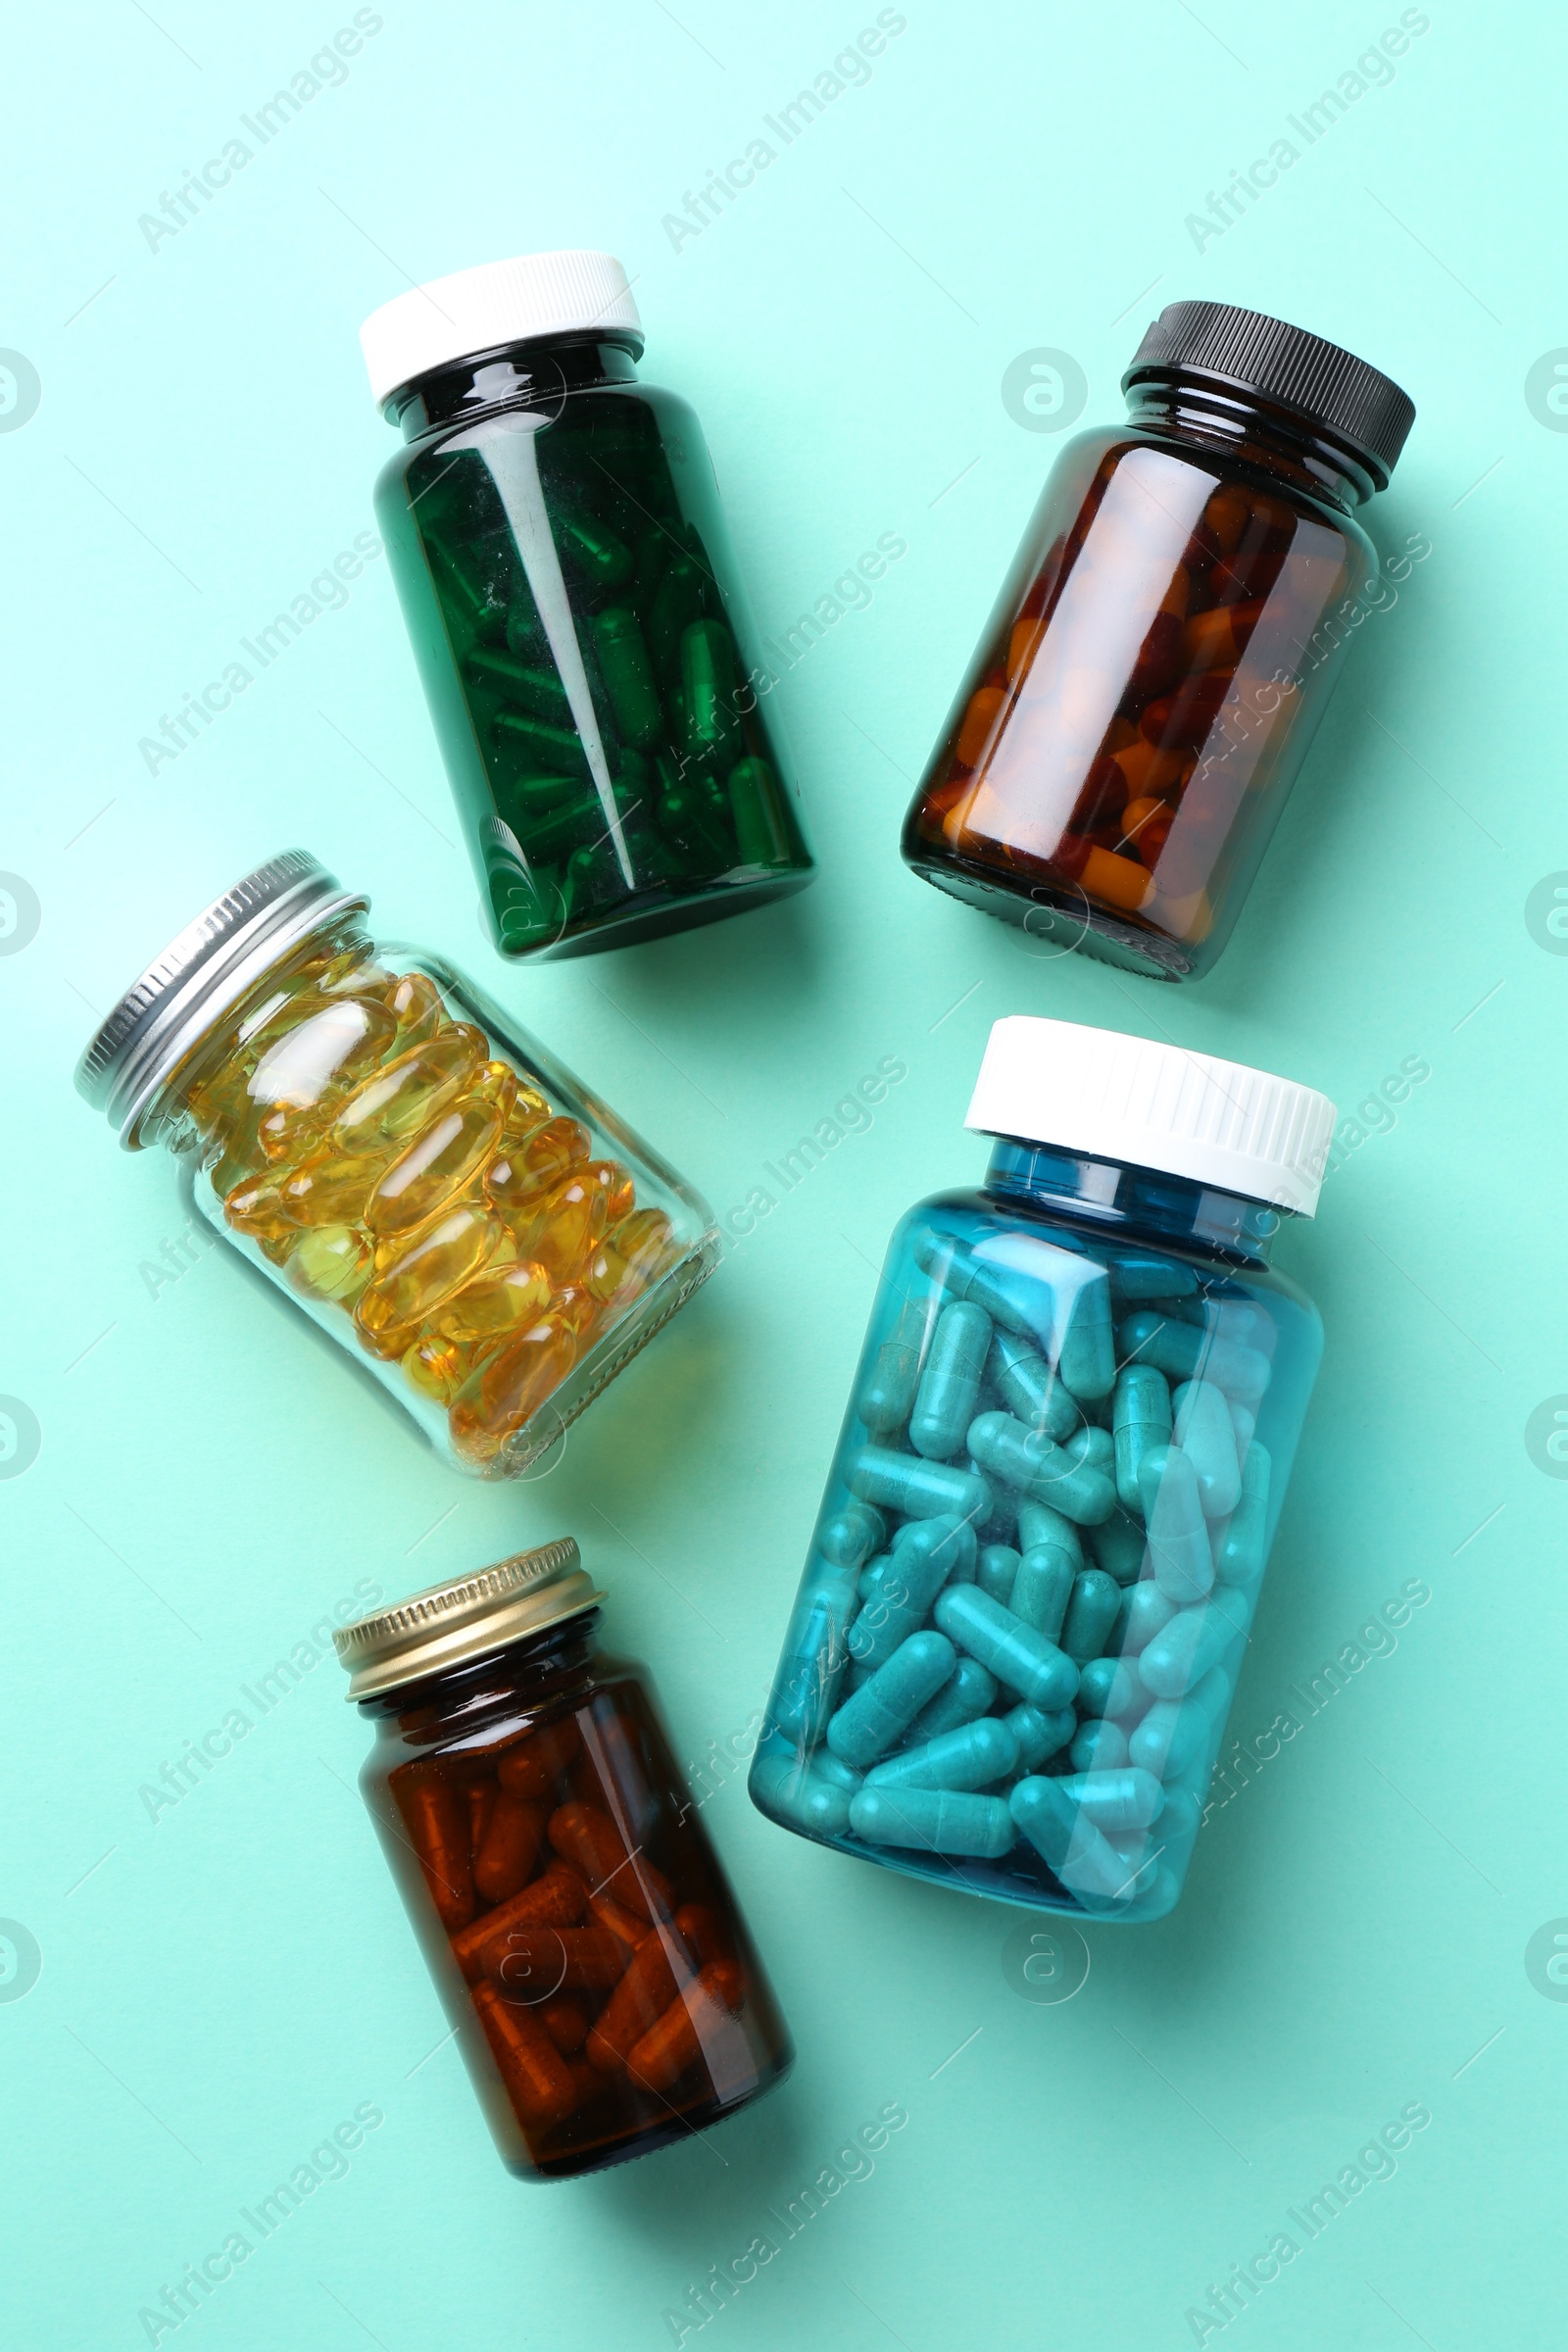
point(1033, 1577)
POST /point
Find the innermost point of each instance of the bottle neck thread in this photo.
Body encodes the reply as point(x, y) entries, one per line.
point(537, 374)
point(1256, 433)
point(1143, 1203)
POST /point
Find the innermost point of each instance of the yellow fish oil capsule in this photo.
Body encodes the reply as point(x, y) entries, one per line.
point(413, 1278)
point(408, 1093)
point(495, 1305)
point(332, 1261)
point(435, 1167)
point(523, 1171)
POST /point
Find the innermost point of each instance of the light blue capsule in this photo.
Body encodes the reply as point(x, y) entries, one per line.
point(851, 1536)
point(1099, 1746)
point(945, 1401)
point(1038, 1523)
point(1030, 1462)
point(1242, 1550)
point(994, 1571)
point(1082, 1857)
point(1143, 1420)
point(886, 1400)
point(968, 1692)
point(970, 1757)
point(1008, 1648)
point(801, 1794)
point(1145, 1610)
point(1040, 1737)
point(916, 1571)
point(1091, 1613)
point(1182, 1652)
point(1112, 1687)
point(1206, 1435)
point(1118, 1546)
point(1126, 1799)
point(812, 1668)
point(1138, 1275)
point(1178, 1533)
point(883, 1708)
point(937, 1821)
point(1176, 1733)
point(1185, 1351)
point(902, 1482)
point(1029, 1389)
point(1042, 1589)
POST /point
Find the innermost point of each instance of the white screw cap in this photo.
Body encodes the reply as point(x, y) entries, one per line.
point(500, 301)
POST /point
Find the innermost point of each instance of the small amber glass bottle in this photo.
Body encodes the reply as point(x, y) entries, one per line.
point(586, 1946)
point(1162, 649)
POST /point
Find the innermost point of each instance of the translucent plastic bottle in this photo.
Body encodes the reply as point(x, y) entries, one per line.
point(408, 1167)
point(1014, 1646)
point(592, 1961)
point(1165, 645)
point(585, 643)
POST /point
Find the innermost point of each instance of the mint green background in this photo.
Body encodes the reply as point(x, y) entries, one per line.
point(230, 1981)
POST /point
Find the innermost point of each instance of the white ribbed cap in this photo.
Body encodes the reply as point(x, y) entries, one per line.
point(501, 302)
point(1121, 1097)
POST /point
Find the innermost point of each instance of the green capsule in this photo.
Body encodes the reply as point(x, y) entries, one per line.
point(628, 674)
point(538, 795)
point(1029, 1389)
point(1144, 1611)
point(598, 555)
point(882, 1710)
point(1042, 1587)
point(935, 1821)
point(708, 683)
point(950, 1384)
point(1088, 1359)
point(886, 1400)
point(1143, 1419)
point(969, 1691)
point(994, 1570)
point(806, 1686)
point(971, 1756)
point(678, 603)
point(1093, 1445)
point(757, 806)
point(1243, 1547)
point(559, 748)
point(484, 612)
point(1005, 1646)
point(538, 692)
point(1091, 1613)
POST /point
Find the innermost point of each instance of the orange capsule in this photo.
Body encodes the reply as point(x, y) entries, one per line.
point(1148, 770)
point(1145, 825)
point(432, 1266)
point(558, 1899)
point(1022, 647)
point(435, 1167)
point(538, 2080)
point(1117, 881)
point(566, 2021)
point(656, 1970)
point(697, 2013)
point(513, 1839)
point(1227, 515)
point(435, 1816)
point(590, 1841)
point(511, 1384)
point(980, 724)
point(436, 1365)
point(537, 1764)
point(606, 1912)
point(380, 1117)
point(498, 1303)
point(522, 1172)
point(482, 1804)
point(1215, 640)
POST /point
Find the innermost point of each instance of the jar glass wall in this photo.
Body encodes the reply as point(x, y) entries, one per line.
point(1034, 1571)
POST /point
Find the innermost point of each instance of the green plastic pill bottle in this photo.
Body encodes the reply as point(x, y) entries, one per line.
point(1032, 1582)
point(591, 663)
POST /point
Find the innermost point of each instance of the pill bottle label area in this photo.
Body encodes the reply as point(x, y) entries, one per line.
point(1013, 1651)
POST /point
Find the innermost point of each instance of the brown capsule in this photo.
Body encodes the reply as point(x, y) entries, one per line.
point(538, 2080)
point(536, 1764)
point(482, 1804)
point(589, 1841)
point(606, 1912)
point(700, 1929)
point(655, 1974)
point(435, 1814)
point(566, 2021)
point(697, 2012)
point(536, 1963)
point(505, 1863)
point(559, 1899)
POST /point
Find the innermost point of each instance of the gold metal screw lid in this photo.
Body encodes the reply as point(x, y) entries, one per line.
point(466, 1617)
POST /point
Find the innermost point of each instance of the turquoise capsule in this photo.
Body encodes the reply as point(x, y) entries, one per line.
point(925, 1555)
point(935, 1819)
point(1039, 1736)
point(970, 1757)
point(1099, 1746)
point(1178, 1533)
point(1243, 1547)
point(851, 1536)
point(1135, 1276)
point(994, 1571)
point(1030, 1462)
point(599, 553)
point(629, 676)
point(968, 1692)
point(1182, 1652)
point(952, 1540)
point(902, 1482)
point(1182, 1350)
point(1091, 1613)
point(1038, 1523)
point(1093, 1446)
point(1088, 1359)
point(1176, 1733)
point(812, 1668)
point(1010, 1649)
point(756, 805)
point(883, 1708)
point(1126, 1799)
point(1179, 1816)
point(1003, 1525)
point(886, 1400)
point(1042, 1589)
point(801, 1794)
point(1081, 1856)
point(870, 1577)
point(1145, 1611)
point(1112, 1687)
point(1029, 1389)
point(1206, 1435)
point(945, 1401)
point(1143, 1420)
point(1118, 1544)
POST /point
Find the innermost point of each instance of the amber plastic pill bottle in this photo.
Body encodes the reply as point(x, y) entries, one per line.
point(1162, 649)
point(586, 647)
point(604, 1991)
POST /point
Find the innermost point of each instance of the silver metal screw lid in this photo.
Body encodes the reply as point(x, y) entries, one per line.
point(466, 1617)
point(198, 976)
